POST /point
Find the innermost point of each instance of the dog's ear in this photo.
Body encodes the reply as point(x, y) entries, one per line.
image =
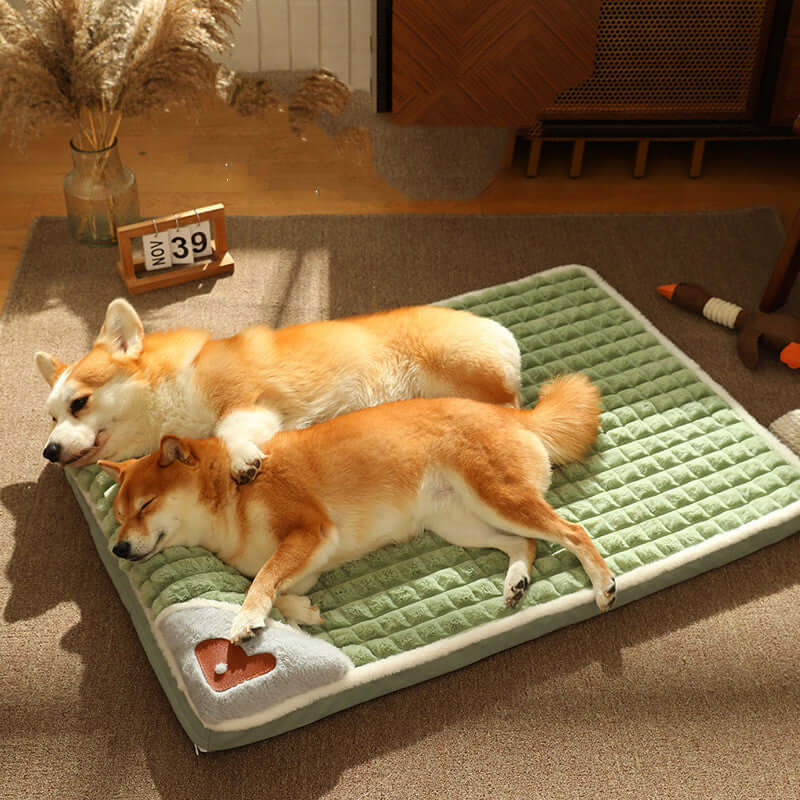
point(49, 366)
point(113, 469)
point(175, 449)
point(122, 331)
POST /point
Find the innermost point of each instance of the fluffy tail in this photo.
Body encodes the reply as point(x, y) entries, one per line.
point(566, 418)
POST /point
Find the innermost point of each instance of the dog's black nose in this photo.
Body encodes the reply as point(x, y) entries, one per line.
point(52, 452)
point(122, 549)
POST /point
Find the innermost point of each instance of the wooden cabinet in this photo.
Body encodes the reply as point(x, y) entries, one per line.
point(495, 63)
point(514, 63)
point(786, 102)
point(666, 61)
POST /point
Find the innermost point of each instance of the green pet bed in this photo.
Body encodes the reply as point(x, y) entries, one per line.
point(680, 480)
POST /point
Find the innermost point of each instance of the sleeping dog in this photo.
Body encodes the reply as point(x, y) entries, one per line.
point(474, 473)
point(130, 389)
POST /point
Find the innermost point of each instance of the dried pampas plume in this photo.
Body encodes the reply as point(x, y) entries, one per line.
point(29, 92)
point(320, 91)
point(95, 61)
point(248, 94)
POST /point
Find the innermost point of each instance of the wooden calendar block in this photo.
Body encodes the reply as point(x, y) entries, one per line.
point(181, 247)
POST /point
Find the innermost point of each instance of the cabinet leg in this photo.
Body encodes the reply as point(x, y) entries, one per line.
point(534, 156)
point(698, 151)
point(576, 166)
point(512, 144)
point(642, 149)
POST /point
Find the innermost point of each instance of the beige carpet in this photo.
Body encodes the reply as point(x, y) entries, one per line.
point(693, 692)
point(441, 162)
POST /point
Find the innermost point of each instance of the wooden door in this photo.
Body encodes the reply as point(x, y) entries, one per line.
point(497, 62)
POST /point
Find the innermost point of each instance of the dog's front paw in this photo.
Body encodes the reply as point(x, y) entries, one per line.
point(606, 595)
point(245, 462)
point(244, 625)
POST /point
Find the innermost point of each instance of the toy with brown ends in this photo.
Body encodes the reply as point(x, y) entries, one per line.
point(779, 332)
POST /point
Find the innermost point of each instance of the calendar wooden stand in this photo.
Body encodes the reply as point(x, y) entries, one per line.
point(138, 281)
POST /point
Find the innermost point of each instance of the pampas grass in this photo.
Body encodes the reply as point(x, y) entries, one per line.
point(320, 91)
point(97, 61)
point(248, 94)
point(29, 90)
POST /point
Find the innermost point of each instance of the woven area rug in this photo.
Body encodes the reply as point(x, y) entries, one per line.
point(72, 654)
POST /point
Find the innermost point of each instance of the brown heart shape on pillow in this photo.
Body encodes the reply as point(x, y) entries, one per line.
point(226, 665)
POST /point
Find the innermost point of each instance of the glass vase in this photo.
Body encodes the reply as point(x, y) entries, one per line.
point(101, 194)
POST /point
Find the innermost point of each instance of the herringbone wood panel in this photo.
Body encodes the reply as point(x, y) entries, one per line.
point(497, 63)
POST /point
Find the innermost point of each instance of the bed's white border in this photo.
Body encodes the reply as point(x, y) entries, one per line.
point(367, 673)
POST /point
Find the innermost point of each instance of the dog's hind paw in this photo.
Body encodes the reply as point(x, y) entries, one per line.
point(606, 596)
point(298, 608)
point(244, 625)
point(515, 584)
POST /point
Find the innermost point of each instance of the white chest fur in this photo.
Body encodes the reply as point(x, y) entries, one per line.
point(179, 408)
point(249, 547)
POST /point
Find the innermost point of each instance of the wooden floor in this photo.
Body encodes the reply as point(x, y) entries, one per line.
point(259, 167)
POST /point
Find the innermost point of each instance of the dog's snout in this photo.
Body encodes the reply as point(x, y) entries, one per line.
point(122, 549)
point(52, 452)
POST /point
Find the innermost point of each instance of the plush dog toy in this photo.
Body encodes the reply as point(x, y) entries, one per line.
point(781, 332)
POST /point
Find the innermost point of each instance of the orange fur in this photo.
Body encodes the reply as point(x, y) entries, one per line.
point(567, 417)
point(259, 381)
point(282, 367)
point(339, 489)
point(94, 369)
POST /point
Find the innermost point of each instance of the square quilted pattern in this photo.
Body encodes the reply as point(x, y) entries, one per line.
point(673, 466)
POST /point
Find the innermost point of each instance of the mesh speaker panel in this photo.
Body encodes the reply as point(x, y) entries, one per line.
point(671, 58)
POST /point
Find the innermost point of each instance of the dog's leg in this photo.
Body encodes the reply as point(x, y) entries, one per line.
point(305, 585)
point(516, 505)
point(241, 430)
point(575, 539)
point(295, 606)
point(298, 608)
point(526, 513)
point(301, 553)
point(463, 528)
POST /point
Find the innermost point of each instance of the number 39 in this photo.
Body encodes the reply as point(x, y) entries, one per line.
point(191, 243)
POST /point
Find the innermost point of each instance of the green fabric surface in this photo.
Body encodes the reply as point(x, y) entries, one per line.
point(673, 466)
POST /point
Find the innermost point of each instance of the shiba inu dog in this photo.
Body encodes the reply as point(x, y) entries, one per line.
point(473, 473)
point(130, 389)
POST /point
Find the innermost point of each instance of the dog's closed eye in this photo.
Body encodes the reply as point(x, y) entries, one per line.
point(135, 512)
point(77, 404)
point(144, 505)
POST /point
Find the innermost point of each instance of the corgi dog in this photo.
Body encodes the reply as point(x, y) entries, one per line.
point(131, 388)
point(473, 473)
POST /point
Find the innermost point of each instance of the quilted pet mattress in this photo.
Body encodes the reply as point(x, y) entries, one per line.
point(680, 480)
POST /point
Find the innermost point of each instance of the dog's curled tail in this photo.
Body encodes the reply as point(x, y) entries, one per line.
point(566, 417)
